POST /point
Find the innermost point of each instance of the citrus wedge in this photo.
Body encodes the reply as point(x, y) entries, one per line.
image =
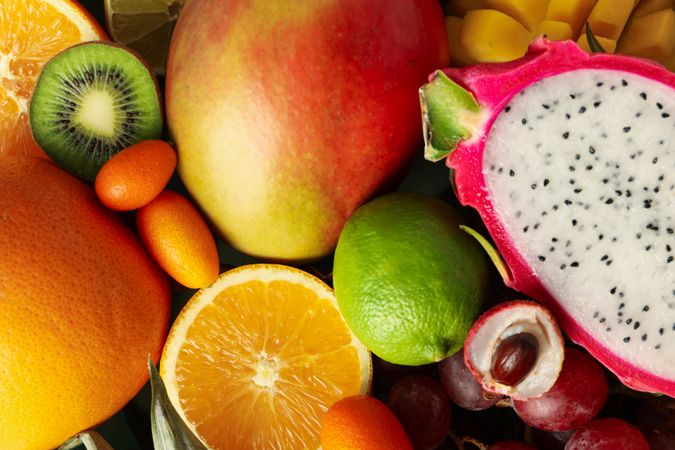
point(31, 32)
point(145, 26)
point(255, 360)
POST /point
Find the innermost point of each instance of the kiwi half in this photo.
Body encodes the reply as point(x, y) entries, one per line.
point(91, 101)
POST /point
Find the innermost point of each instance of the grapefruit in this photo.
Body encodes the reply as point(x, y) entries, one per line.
point(82, 307)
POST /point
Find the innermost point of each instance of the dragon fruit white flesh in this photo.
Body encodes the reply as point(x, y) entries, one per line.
point(570, 160)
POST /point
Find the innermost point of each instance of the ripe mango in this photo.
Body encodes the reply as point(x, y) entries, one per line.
point(529, 13)
point(608, 44)
point(646, 7)
point(609, 17)
point(459, 8)
point(555, 30)
point(572, 12)
point(651, 36)
point(287, 116)
point(492, 36)
point(458, 54)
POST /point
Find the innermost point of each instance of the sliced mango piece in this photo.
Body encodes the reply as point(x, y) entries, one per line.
point(555, 30)
point(492, 36)
point(608, 18)
point(608, 44)
point(646, 7)
point(573, 12)
point(529, 13)
point(459, 8)
point(458, 54)
point(670, 64)
point(651, 36)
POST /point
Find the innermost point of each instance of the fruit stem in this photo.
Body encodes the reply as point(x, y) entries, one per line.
point(473, 442)
point(450, 114)
point(504, 402)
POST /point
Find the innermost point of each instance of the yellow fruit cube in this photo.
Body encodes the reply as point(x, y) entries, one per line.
point(573, 12)
point(608, 18)
point(555, 30)
point(651, 36)
point(458, 55)
point(459, 8)
point(529, 13)
point(646, 7)
point(492, 36)
point(608, 44)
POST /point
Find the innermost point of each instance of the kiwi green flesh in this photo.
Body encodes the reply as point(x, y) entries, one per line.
point(90, 102)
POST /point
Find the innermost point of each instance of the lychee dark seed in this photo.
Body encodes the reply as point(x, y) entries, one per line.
point(514, 358)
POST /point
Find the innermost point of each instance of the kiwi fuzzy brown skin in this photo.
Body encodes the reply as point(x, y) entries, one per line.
point(85, 160)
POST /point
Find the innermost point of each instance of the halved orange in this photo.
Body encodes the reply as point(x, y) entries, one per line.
point(255, 360)
point(31, 32)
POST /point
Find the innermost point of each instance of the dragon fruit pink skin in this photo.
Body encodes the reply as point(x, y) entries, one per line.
point(494, 86)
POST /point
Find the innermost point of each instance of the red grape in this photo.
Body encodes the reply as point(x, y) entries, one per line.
point(462, 387)
point(423, 408)
point(607, 434)
point(577, 396)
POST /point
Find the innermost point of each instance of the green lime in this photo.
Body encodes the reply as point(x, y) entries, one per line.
point(408, 281)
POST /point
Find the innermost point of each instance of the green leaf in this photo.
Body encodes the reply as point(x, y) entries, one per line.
point(450, 114)
point(90, 439)
point(593, 43)
point(169, 432)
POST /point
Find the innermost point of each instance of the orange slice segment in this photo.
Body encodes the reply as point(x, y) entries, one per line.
point(31, 32)
point(255, 360)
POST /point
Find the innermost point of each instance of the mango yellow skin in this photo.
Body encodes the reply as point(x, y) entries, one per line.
point(288, 115)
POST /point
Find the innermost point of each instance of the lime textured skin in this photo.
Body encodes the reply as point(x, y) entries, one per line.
point(408, 280)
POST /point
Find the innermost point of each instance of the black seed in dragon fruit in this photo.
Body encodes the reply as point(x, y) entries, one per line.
point(570, 160)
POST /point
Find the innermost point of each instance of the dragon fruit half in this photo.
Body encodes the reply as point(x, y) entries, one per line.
point(570, 160)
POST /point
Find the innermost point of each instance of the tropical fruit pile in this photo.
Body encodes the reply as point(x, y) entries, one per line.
point(210, 203)
point(501, 30)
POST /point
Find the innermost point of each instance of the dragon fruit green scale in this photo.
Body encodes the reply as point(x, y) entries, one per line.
point(570, 160)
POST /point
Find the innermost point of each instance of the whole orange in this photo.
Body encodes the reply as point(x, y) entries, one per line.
point(364, 423)
point(82, 307)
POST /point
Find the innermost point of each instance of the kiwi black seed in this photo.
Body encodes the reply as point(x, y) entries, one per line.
point(91, 101)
